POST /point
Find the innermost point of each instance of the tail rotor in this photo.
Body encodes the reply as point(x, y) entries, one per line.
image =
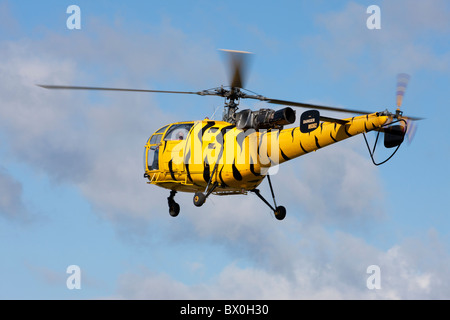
point(408, 125)
point(399, 126)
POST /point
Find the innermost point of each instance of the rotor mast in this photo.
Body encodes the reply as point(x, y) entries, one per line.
point(231, 106)
point(237, 68)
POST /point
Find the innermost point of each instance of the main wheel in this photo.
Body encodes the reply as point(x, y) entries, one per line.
point(199, 199)
point(280, 213)
point(174, 209)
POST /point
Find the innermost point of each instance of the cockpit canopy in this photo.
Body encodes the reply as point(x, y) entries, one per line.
point(174, 132)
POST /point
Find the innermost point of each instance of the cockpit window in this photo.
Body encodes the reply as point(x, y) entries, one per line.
point(178, 131)
point(152, 158)
point(162, 129)
point(156, 138)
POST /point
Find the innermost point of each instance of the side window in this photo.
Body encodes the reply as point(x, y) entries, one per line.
point(178, 132)
point(152, 158)
point(153, 151)
point(155, 139)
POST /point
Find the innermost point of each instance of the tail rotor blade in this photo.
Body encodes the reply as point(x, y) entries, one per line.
point(411, 130)
point(402, 83)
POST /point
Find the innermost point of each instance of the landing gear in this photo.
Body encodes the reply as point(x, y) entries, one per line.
point(280, 211)
point(200, 197)
point(174, 208)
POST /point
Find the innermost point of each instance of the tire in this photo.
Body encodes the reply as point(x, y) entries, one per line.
point(280, 213)
point(174, 209)
point(199, 199)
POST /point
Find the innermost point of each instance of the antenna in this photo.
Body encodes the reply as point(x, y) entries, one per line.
point(212, 117)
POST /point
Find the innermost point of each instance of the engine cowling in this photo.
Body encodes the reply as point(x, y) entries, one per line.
point(264, 118)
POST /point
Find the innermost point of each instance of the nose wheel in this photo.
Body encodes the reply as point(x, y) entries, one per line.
point(174, 208)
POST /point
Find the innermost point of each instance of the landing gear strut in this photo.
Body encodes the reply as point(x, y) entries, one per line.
point(280, 211)
point(174, 208)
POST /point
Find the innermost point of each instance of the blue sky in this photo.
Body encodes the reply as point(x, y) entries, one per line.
point(71, 186)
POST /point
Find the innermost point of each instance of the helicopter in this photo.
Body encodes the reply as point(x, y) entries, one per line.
point(234, 155)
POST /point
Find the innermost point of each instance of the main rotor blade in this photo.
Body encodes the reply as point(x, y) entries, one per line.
point(305, 105)
point(238, 61)
point(119, 89)
point(314, 106)
point(320, 107)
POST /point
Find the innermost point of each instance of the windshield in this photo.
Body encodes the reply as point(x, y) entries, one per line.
point(178, 132)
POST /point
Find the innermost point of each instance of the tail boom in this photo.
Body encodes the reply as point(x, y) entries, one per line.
point(293, 143)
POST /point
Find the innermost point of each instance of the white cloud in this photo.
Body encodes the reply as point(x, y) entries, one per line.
point(129, 57)
point(151, 286)
point(336, 271)
point(409, 29)
point(337, 185)
point(95, 143)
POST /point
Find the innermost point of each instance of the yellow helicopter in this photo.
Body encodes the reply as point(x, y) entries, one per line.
point(233, 156)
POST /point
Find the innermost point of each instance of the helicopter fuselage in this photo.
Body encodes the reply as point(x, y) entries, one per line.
point(189, 156)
